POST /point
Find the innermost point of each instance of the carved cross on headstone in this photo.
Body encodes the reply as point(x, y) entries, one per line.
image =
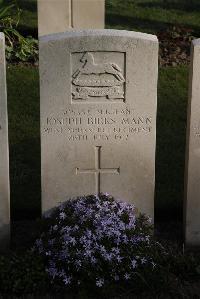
point(98, 170)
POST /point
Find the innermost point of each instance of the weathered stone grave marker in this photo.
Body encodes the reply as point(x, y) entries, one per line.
point(98, 115)
point(60, 15)
point(4, 157)
point(192, 174)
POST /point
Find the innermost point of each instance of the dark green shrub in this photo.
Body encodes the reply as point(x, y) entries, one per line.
point(18, 47)
point(24, 274)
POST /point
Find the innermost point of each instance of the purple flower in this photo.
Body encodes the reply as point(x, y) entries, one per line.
point(107, 256)
point(125, 239)
point(93, 260)
point(143, 260)
point(116, 277)
point(78, 263)
point(52, 271)
point(72, 240)
point(88, 253)
point(93, 234)
point(100, 282)
point(67, 280)
point(62, 273)
point(64, 254)
point(133, 263)
point(55, 227)
point(119, 259)
point(127, 276)
point(38, 242)
point(107, 194)
point(62, 215)
point(51, 242)
point(66, 229)
point(75, 228)
point(116, 250)
point(153, 264)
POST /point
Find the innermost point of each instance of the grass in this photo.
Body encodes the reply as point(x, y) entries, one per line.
point(23, 112)
point(171, 132)
point(28, 22)
point(152, 16)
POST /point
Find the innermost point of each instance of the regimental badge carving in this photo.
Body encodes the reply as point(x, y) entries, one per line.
point(97, 79)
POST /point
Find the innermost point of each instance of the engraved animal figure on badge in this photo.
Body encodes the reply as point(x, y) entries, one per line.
point(90, 67)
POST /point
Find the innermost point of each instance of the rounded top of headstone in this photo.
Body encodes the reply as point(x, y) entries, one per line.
point(98, 33)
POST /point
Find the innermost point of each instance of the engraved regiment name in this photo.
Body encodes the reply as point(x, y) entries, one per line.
point(97, 81)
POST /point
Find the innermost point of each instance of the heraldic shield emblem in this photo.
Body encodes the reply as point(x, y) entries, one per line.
point(95, 78)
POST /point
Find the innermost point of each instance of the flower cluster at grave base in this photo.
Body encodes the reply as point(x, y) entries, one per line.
point(96, 240)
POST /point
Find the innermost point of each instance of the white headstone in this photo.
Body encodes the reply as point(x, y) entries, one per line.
point(60, 15)
point(4, 156)
point(192, 174)
point(98, 115)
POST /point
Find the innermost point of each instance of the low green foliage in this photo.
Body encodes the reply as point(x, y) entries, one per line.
point(21, 49)
point(18, 48)
point(22, 274)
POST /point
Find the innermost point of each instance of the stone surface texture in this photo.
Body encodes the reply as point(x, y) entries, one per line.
point(60, 15)
point(98, 116)
point(88, 14)
point(192, 173)
point(53, 16)
point(4, 156)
